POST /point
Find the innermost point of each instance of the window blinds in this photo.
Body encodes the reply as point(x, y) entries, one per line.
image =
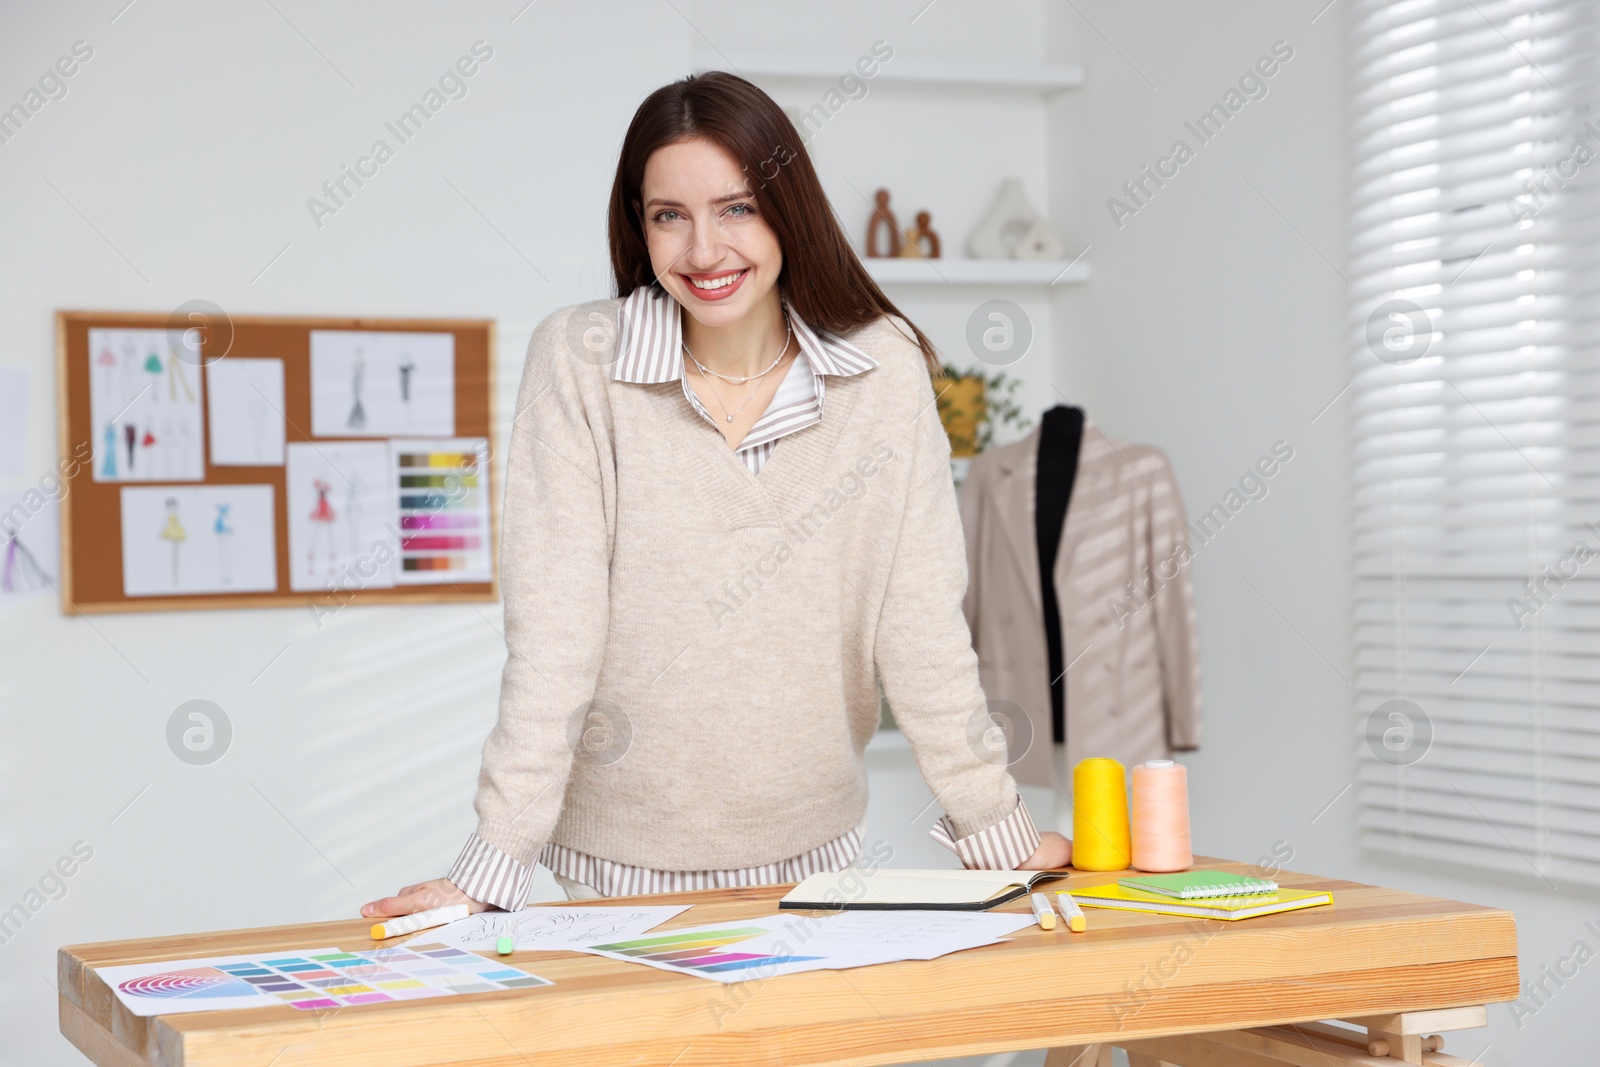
point(1474, 241)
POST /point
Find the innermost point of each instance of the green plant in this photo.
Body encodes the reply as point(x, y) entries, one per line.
point(997, 407)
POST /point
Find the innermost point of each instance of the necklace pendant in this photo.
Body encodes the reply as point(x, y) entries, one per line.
point(730, 418)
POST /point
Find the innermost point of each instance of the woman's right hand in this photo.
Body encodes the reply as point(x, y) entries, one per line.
point(420, 897)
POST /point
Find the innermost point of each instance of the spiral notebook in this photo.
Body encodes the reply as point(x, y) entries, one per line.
point(1199, 885)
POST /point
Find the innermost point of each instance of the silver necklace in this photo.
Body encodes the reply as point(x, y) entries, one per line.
point(750, 377)
point(735, 379)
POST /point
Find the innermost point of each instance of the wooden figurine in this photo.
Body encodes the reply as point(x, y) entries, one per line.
point(923, 230)
point(882, 216)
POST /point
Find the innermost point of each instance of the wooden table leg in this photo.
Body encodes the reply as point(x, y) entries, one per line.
point(1405, 1036)
point(1139, 1059)
point(1399, 1038)
point(1296, 1045)
point(1404, 1047)
point(1078, 1056)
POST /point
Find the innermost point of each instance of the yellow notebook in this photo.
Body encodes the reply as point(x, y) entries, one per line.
point(1229, 908)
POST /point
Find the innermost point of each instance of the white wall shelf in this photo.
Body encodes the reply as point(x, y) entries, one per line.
point(960, 74)
point(1043, 272)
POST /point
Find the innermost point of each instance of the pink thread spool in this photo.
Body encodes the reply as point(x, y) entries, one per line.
point(1161, 817)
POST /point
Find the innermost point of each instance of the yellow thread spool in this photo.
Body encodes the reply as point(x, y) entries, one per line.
point(1100, 837)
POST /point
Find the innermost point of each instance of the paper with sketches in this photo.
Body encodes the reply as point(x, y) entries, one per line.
point(909, 935)
point(205, 539)
point(144, 406)
point(551, 928)
point(368, 384)
point(342, 531)
point(244, 400)
point(30, 543)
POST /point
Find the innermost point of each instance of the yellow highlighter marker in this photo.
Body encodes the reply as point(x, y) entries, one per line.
point(1042, 911)
point(1071, 912)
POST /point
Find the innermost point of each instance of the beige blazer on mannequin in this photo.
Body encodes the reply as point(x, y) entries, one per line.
point(1124, 594)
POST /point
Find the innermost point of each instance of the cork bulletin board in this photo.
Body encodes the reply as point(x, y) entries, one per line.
point(274, 462)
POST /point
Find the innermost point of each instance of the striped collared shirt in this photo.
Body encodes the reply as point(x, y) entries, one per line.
point(650, 352)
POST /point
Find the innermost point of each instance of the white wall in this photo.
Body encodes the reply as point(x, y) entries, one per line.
point(178, 168)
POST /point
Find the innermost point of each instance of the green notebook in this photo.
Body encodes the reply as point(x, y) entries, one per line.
point(1199, 885)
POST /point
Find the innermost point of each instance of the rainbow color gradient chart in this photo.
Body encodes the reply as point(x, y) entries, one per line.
point(774, 945)
point(310, 979)
point(443, 494)
point(723, 953)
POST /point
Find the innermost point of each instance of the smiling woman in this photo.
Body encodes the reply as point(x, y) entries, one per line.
point(762, 411)
point(726, 135)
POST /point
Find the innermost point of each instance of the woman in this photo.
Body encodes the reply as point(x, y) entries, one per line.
point(728, 516)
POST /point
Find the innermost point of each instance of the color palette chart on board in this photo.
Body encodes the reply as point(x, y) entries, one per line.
point(310, 979)
point(444, 511)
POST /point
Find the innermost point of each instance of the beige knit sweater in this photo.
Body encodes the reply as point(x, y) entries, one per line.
point(693, 650)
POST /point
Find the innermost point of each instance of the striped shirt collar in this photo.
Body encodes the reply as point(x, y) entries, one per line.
point(652, 337)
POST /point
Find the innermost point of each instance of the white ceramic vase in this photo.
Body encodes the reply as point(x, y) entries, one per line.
point(1013, 229)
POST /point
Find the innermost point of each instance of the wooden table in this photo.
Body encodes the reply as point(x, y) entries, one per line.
point(1194, 992)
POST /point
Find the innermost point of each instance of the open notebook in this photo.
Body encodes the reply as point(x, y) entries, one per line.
point(919, 890)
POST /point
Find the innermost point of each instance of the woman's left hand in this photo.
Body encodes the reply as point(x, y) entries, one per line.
point(1053, 851)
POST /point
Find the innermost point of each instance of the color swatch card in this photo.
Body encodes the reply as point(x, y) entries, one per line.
point(198, 539)
point(550, 929)
point(724, 952)
point(443, 492)
point(245, 404)
point(145, 405)
point(309, 979)
point(790, 944)
point(372, 384)
point(341, 516)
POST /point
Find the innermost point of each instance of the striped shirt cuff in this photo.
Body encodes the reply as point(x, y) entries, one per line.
point(1002, 847)
point(485, 873)
point(611, 879)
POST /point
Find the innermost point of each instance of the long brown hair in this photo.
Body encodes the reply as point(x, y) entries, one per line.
point(822, 277)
